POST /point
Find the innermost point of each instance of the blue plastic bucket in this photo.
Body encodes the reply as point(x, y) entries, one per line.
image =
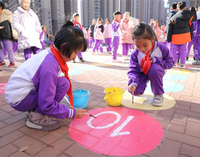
point(80, 98)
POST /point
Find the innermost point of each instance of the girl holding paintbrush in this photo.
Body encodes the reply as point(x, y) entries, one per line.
point(148, 63)
point(28, 88)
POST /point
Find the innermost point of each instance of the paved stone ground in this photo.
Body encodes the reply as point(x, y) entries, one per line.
point(181, 124)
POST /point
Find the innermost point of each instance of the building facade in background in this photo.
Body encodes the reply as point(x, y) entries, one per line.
point(52, 13)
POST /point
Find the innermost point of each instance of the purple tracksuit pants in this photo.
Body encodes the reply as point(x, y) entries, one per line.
point(155, 76)
point(92, 41)
point(8, 46)
point(28, 51)
point(197, 48)
point(108, 44)
point(188, 47)
point(30, 102)
point(125, 49)
point(181, 49)
point(4, 52)
point(98, 45)
point(43, 45)
point(15, 47)
point(115, 46)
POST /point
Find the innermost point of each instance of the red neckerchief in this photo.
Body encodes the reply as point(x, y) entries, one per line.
point(78, 24)
point(146, 62)
point(116, 21)
point(64, 69)
point(44, 33)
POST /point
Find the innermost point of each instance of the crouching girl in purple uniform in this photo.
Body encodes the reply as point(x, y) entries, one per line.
point(148, 63)
point(36, 86)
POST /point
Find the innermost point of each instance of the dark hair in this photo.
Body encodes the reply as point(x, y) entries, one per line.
point(99, 19)
point(70, 39)
point(108, 20)
point(2, 5)
point(86, 28)
point(75, 14)
point(181, 5)
point(143, 31)
point(174, 5)
point(117, 13)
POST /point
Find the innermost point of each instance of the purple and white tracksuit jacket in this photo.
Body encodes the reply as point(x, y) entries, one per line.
point(161, 59)
point(37, 85)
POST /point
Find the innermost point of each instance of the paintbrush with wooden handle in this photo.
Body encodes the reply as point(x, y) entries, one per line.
point(76, 108)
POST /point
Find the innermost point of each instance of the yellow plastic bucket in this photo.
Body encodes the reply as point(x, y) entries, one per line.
point(113, 96)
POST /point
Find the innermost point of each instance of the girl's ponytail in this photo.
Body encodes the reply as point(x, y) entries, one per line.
point(68, 24)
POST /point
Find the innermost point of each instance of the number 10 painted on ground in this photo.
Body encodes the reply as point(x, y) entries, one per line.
point(116, 132)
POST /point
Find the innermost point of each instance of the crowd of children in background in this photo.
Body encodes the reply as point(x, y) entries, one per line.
point(115, 33)
point(119, 32)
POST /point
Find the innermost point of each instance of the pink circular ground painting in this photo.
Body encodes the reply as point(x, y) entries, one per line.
point(117, 131)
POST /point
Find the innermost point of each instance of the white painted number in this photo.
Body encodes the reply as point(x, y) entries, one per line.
point(116, 132)
point(107, 126)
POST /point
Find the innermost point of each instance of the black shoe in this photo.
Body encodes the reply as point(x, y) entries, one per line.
point(81, 59)
point(186, 58)
point(74, 61)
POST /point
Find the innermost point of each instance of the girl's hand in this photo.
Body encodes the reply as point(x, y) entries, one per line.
point(80, 113)
point(131, 88)
point(1, 27)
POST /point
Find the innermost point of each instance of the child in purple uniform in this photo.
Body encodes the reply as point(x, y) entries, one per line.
point(115, 35)
point(108, 35)
point(98, 36)
point(77, 24)
point(29, 89)
point(87, 36)
point(148, 63)
point(42, 37)
point(6, 35)
point(126, 28)
point(91, 30)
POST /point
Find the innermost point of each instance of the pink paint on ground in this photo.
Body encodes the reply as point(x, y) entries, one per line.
point(2, 87)
point(117, 131)
point(186, 66)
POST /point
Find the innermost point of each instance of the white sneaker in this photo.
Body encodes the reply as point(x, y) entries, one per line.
point(197, 62)
point(158, 100)
point(42, 122)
